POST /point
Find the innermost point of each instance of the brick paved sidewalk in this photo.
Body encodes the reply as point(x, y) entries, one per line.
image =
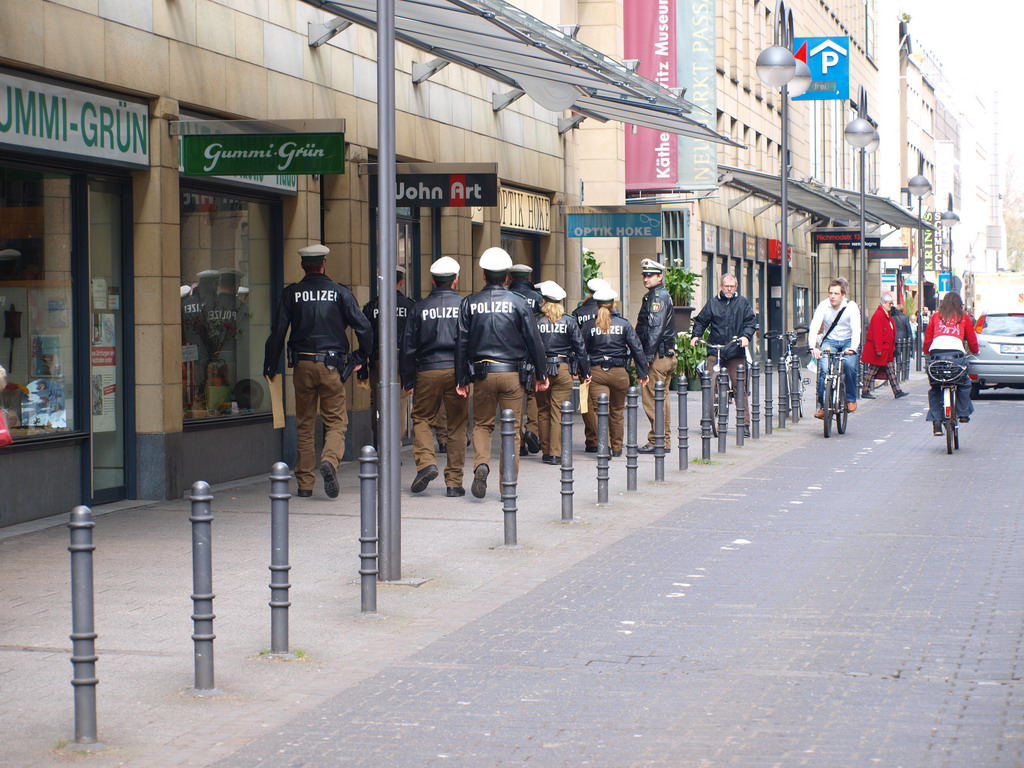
point(143, 583)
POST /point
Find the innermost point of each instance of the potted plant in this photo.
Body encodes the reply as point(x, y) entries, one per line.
point(681, 283)
point(688, 357)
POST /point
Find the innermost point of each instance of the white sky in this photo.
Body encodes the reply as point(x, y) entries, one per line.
point(980, 44)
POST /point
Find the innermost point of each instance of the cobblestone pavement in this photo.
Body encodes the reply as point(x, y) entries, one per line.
point(843, 602)
point(858, 604)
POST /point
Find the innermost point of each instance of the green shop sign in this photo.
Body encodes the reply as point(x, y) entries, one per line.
point(264, 153)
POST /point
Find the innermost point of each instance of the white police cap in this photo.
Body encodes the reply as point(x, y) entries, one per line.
point(314, 252)
point(446, 266)
point(650, 266)
point(521, 269)
point(495, 260)
point(185, 290)
point(596, 282)
point(209, 274)
point(551, 290)
point(605, 294)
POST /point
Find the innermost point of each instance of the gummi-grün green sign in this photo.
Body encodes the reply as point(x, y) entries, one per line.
point(264, 153)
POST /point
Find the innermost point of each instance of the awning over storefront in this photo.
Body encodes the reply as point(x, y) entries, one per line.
point(549, 65)
point(826, 204)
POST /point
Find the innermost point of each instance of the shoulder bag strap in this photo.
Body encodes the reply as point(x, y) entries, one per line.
point(834, 322)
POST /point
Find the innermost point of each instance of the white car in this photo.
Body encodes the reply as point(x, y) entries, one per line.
point(1000, 358)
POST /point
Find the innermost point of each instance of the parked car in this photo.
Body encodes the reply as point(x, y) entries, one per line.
point(1000, 358)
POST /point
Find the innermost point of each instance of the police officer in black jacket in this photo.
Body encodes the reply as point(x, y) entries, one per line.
point(427, 366)
point(584, 312)
point(403, 305)
point(499, 350)
point(611, 342)
point(565, 357)
point(519, 282)
point(318, 310)
point(655, 325)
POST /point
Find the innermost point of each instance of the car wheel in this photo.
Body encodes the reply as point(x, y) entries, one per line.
point(975, 390)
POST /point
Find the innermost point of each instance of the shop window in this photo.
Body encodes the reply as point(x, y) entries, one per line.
point(226, 305)
point(36, 301)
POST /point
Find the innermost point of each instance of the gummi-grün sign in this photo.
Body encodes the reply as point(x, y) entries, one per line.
point(264, 153)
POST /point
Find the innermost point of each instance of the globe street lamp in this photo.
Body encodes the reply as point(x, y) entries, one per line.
point(861, 135)
point(919, 186)
point(777, 67)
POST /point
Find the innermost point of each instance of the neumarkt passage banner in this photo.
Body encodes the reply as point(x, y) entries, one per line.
point(263, 153)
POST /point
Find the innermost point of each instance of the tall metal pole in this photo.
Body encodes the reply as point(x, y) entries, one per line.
point(863, 252)
point(920, 283)
point(784, 202)
point(389, 508)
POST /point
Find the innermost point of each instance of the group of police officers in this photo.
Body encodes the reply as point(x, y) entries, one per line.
point(510, 345)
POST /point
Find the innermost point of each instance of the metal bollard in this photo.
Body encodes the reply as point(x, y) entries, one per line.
point(83, 634)
point(508, 475)
point(795, 391)
point(604, 451)
point(741, 404)
point(683, 430)
point(768, 397)
point(369, 541)
point(567, 493)
point(723, 410)
point(755, 400)
point(660, 438)
point(783, 394)
point(632, 463)
point(280, 475)
point(706, 409)
point(202, 586)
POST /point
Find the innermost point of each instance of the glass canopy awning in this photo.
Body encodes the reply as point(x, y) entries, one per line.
point(510, 46)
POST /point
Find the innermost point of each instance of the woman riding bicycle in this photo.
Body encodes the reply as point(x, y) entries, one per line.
point(944, 338)
point(838, 319)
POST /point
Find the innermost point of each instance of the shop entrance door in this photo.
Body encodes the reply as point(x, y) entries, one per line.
point(109, 376)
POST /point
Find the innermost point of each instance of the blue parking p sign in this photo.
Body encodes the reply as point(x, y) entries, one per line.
point(828, 58)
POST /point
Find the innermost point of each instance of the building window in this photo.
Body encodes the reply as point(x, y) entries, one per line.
point(37, 302)
point(226, 304)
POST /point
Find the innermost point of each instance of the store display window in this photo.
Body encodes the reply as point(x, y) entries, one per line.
point(36, 303)
point(225, 304)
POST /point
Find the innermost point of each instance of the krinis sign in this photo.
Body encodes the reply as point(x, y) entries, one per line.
point(268, 154)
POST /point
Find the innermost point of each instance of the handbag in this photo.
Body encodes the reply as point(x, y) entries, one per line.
point(5, 433)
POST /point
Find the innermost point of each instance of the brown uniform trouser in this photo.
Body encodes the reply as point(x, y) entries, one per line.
point(590, 429)
point(531, 420)
point(496, 391)
point(661, 369)
point(318, 388)
point(614, 382)
point(436, 390)
point(549, 411)
point(402, 409)
point(732, 366)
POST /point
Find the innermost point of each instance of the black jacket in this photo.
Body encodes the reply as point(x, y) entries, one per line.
point(585, 311)
point(318, 311)
point(727, 318)
point(403, 305)
point(613, 349)
point(528, 292)
point(497, 324)
point(430, 335)
point(655, 325)
point(563, 343)
point(903, 328)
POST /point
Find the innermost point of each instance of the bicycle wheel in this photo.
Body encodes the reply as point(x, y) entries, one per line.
point(827, 405)
point(842, 411)
point(950, 426)
point(955, 420)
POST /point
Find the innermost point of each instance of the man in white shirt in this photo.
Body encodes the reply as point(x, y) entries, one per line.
point(839, 335)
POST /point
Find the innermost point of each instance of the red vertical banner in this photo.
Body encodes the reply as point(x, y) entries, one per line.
point(652, 157)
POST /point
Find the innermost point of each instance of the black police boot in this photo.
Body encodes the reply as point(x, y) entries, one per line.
point(479, 488)
point(456, 490)
point(330, 476)
point(423, 478)
point(532, 441)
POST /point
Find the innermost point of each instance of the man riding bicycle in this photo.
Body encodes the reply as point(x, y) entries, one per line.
point(728, 315)
point(838, 319)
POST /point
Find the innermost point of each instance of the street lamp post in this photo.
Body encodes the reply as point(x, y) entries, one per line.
point(949, 219)
point(777, 67)
point(919, 186)
point(861, 134)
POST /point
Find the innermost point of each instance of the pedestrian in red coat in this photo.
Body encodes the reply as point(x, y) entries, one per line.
point(880, 349)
